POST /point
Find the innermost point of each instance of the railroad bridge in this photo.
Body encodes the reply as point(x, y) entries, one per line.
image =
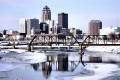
point(60, 40)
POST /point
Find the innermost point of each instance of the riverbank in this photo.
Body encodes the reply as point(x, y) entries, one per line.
point(102, 71)
point(13, 57)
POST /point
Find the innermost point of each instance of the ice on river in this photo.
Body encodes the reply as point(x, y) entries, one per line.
point(9, 58)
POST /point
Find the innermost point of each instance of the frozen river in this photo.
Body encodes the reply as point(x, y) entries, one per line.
point(18, 64)
point(22, 65)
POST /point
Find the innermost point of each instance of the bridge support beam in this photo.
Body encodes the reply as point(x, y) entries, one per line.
point(14, 45)
point(29, 45)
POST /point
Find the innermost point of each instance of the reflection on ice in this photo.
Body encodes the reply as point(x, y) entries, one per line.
point(59, 65)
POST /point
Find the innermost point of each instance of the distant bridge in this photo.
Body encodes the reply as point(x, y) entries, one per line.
point(62, 40)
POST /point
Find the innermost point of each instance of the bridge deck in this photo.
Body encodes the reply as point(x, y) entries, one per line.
point(77, 45)
point(101, 44)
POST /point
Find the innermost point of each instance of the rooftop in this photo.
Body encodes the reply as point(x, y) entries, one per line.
point(46, 8)
point(95, 21)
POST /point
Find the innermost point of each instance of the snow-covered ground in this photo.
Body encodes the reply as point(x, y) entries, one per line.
point(99, 71)
point(12, 57)
point(108, 53)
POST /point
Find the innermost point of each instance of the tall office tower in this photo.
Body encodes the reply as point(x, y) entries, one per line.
point(32, 24)
point(63, 20)
point(23, 25)
point(46, 14)
point(94, 27)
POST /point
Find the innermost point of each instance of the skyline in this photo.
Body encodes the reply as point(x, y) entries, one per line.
point(79, 12)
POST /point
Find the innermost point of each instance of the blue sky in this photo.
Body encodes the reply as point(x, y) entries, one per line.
point(80, 12)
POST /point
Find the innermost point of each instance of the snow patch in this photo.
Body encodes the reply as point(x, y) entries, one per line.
point(21, 56)
point(100, 71)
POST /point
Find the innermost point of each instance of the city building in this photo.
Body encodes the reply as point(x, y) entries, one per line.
point(32, 23)
point(55, 30)
point(94, 27)
point(23, 25)
point(44, 28)
point(63, 20)
point(64, 31)
point(3, 32)
point(46, 14)
point(35, 31)
point(50, 26)
point(59, 28)
point(9, 32)
point(11, 35)
point(75, 32)
point(109, 30)
point(1, 36)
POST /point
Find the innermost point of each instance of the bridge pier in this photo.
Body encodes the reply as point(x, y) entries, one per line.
point(68, 47)
point(14, 45)
point(81, 53)
point(29, 47)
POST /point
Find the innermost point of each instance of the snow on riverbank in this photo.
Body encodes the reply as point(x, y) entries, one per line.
point(5, 67)
point(29, 57)
point(15, 56)
point(108, 53)
point(104, 48)
point(101, 70)
point(21, 56)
